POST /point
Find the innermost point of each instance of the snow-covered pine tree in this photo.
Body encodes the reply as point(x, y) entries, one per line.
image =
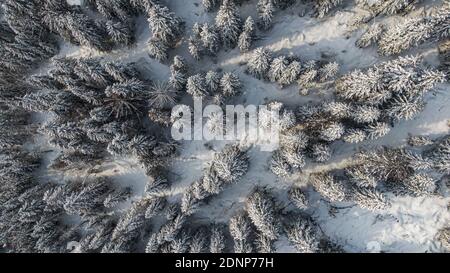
point(173, 210)
point(16, 171)
point(194, 48)
point(420, 185)
point(178, 70)
point(189, 200)
point(128, 229)
point(323, 7)
point(332, 131)
point(26, 51)
point(217, 241)
point(230, 84)
point(371, 36)
point(229, 23)
point(157, 49)
point(216, 123)
point(156, 185)
point(231, 163)
point(179, 245)
point(162, 96)
point(265, 8)
point(279, 165)
point(444, 56)
point(121, 72)
point(210, 5)
point(196, 86)
point(86, 32)
point(210, 38)
point(361, 177)
point(161, 117)
point(164, 24)
point(140, 146)
point(102, 234)
point(143, 6)
point(377, 130)
point(94, 196)
point(90, 70)
point(294, 138)
point(152, 244)
point(395, 87)
point(320, 152)
point(308, 77)
point(328, 187)
point(241, 231)
point(259, 63)
point(365, 114)
point(264, 244)
point(291, 73)
point(155, 205)
point(120, 32)
point(294, 157)
point(126, 98)
point(120, 9)
point(228, 166)
point(362, 87)
point(444, 238)
point(418, 162)
point(88, 197)
point(247, 36)
point(379, 7)
point(417, 141)
point(440, 154)
point(291, 155)
point(211, 182)
point(304, 235)
point(387, 165)
point(277, 69)
point(15, 127)
point(405, 107)
point(196, 31)
point(49, 101)
point(369, 198)
point(261, 209)
point(337, 109)
point(198, 241)
point(6, 32)
point(328, 71)
point(213, 81)
point(299, 198)
point(22, 16)
point(170, 230)
point(418, 30)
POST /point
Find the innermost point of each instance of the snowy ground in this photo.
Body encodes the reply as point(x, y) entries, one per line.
point(409, 225)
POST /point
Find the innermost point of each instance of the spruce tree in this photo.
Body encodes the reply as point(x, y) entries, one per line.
point(230, 84)
point(261, 209)
point(414, 31)
point(210, 38)
point(265, 9)
point(304, 235)
point(196, 86)
point(328, 187)
point(241, 231)
point(259, 63)
point(228, 23)
point(247, 36)
point(323, 7)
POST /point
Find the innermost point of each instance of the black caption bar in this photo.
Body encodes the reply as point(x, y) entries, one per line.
point(173, 263)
